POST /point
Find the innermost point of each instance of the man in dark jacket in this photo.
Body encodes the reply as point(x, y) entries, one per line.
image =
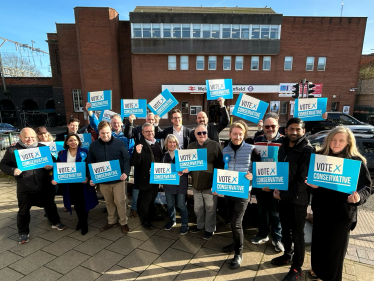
point(145, 153)
point(34, 187)
point(296, 150)
point(136, 132)
point(213, 129)
point(205, 203)
point(73, 125)
point(109, 148)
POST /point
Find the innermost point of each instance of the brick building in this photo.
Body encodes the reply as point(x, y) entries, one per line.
point(180, 47)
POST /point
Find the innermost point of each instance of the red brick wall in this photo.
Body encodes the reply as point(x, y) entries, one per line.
point(367, 59)
point(27, 81)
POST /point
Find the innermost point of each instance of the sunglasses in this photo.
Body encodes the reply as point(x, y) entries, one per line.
point(268, 127)
point(199, 133)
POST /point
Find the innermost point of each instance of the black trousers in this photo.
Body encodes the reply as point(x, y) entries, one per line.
point(26, 201)
point(77, 199)
point(236, 207)
point(292, 218)
point(146, 204)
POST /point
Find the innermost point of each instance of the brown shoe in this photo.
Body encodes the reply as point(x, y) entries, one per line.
point(108, 226)
point(125, 229)
point(133, 214)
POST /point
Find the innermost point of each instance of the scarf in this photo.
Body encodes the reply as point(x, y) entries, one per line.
point(35, 144)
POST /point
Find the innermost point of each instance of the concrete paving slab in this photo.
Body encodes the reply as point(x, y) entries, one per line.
point(194, 272)
point(31, 247)
point(118, 273)
point(133, 223)
point(92, 231)
point(209, 259)
point(100, 222)
point(156, 245)
point(102, 261)
point(61, 246)
point(7, 232)
point(142, 233)
point(251, 260)
point(7, 258)
point(42, 273)
point(53, 235)
point(138, 261)
point(242, 273)
point(32, 262)
point(173, 259)
point(93, 245)
point(112, 234)
point(157, 273)
point(170, 234)
point(7, 244)
point(7, 222)
point(67, 262)
point(8, 274)
point(81, 274)
point(125, 245)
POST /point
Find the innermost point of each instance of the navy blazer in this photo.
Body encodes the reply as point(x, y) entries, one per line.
point(169, 130)
point(89, 191)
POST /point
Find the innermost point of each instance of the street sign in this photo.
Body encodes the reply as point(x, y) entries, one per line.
point(285, 89)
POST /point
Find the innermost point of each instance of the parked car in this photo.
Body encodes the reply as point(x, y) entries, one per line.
point(6, 128)
point(365, 144)
point(339, 118)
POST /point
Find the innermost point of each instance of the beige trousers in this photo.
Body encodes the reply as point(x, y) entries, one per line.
point(115, 200)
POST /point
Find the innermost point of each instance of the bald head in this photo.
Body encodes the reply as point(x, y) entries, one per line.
point(28, 136)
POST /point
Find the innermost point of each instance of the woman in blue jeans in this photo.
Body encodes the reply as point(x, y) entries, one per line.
point(177, 192)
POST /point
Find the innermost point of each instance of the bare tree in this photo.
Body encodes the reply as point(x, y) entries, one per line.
point(15, 65)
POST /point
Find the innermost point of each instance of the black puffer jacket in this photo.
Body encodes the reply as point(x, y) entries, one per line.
point(183, 181)
point(142, 163)
point(298, 157)
point(31, 181)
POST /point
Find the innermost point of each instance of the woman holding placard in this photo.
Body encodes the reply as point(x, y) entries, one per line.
point(335, 213)
point(177, 192)
point(81, 195)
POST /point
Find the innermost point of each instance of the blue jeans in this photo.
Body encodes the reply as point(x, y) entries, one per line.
point(134, 199)
point(181, 203)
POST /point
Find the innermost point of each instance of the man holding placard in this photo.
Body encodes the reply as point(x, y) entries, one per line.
point(145, 153)
point(108, 148)
point(266, 203)
point(34, 186)
point(205, 203)
point(213, 129)
point(73, 125)
point(238, 156)
point(296, 150)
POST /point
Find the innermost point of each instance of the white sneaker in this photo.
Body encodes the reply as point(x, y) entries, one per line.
point(278, 246)
point(259, 240)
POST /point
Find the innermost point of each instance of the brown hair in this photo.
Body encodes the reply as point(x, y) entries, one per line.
point(68, 136)
point(174, 110)
point(102, 125)
point(71, 120)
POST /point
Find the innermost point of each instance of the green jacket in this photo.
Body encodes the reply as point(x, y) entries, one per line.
point(202, 180)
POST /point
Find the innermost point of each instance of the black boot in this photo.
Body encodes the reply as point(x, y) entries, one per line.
point(236, 261)
point(84, 229)
point(79, 225)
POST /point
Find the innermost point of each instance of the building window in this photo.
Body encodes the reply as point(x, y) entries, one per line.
point(226, 29)
point(177, 31)
point(195, 109)
point(245, 32)
point(206, 30)
point(146, 30)
point(137, 27)
point(254, 63)
point(274, 30)
point(235, 33)
point(212, 63)
point(167, 30)
point(321, 64)
point(283, 109)
point(186, 30)
point(334, 106)
point(255, 32)
point(266, 63)
point(264, 32)
point(309, 64)
point(215, 30)
point(288, 63)
point(156, 30)
point(172, 63)
point(77, 100)
point(196, 31)
point(184, 63)
point(227, 63)
point(184, 107)
point(199, 62)
point(239, 63)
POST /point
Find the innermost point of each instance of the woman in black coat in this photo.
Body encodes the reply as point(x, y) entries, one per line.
point(177, 192)
point(335, 213)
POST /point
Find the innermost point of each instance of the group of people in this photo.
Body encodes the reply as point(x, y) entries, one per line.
point(281, 214)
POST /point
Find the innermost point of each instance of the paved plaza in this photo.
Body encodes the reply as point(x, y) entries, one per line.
point(146, 254)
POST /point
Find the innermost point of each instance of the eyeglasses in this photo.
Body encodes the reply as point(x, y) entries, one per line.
point(148, 132)
point(199, 133)
point(268, 126)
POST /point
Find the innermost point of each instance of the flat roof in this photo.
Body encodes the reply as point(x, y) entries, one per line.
point(217, 10)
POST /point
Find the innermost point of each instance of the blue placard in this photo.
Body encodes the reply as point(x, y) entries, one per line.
point(163, 103)
point(100, 100)
point(54, 147)
point(69, 172)
point(133, 106)
point(33, 158)
point(105, 171)
point(86, 140)
point(334, 173)
point(218, 88)
point(164, 173)
point(268, 153)
point(310, 109)
point(270, 174)
point(249, 108)
point(230, 183)
point(191, 159)
point(105, 115)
